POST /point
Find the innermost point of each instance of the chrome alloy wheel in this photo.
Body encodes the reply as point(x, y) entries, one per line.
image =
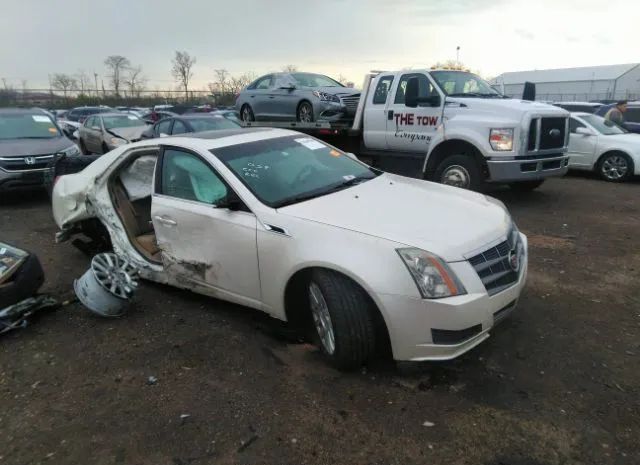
point(615, 167)
point(322, 318)
point(457, 176)
point(305, 113)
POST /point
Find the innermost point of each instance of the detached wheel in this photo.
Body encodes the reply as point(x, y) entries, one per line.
point(526, 186)
point(459, 171)
point(343, 319)
point(305, 113)
point(83, 148)
point(246, 114)
point(615, 167)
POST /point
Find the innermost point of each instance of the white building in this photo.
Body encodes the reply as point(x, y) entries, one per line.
point(610, 82)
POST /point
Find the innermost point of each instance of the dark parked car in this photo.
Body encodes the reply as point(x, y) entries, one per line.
point(579, 107)
point(78, 115)
point(304, 97)
point(160, 115)
point(29, 141)
point(631, 116)
point(189, 123)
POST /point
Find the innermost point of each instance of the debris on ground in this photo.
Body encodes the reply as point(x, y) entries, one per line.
point(428, 424)
point(247, 443)
point(151, 380)
point(17, 316)
point(21, 275)
point(107, 287)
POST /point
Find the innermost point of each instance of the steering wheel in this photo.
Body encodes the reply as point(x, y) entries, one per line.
point(304, 173)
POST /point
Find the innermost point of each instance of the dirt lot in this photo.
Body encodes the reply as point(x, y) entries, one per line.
point(557, 383)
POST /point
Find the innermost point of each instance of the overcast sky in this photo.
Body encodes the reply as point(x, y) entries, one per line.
point(335, 37)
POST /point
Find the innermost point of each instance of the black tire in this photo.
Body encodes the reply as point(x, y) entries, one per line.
point(526, 186)
point(24, 283)
point(246, 113)
point(453, 165)
point(105, 149)
point(83, 148)
point(615, 159)
point(351, 317)
point(304, 113)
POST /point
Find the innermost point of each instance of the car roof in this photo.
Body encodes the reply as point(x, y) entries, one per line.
point(21, 111)
point(112, 113)
point(581, 113)
point(592, 104)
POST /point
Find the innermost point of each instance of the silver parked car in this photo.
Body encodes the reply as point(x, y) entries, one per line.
point(105, 131)
point(304, 97)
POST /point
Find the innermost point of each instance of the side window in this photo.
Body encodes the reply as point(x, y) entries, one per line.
point(163, 127)
point(188, 177)
point(575, 124)
point(382, 90)
point(425, 88)
point(632, 115)
point(179, 127)
point(96, 122)
point(89, 122)
point(264, 83)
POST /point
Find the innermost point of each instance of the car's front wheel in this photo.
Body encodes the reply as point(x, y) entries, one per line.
point(343, 319)
point(615, 167)
point(305, 113)
point(246, 114)
point(460, 171)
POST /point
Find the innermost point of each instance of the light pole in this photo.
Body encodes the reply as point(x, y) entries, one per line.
point(458, 55)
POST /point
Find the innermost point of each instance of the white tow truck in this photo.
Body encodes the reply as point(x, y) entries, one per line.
point(449, 126)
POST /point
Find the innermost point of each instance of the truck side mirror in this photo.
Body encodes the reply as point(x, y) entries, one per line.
point(584, 131)
point(411, 93)
point(529, 92)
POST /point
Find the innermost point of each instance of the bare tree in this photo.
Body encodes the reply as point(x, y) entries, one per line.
point(84, 81)
point(289, 68)
point(63, 82)
point(181, 70)
point(221, 83)
point(237, 83)
point(134, 80)
point(116, 65)
point(451, 64)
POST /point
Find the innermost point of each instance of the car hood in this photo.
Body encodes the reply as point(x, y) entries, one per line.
point(513, 108)
point(338, 90)
point(29, 147)
point(131, 133)
point(444, 220)
point(630, 140)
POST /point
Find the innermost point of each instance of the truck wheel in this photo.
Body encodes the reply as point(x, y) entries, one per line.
point(526, 186)
point(342, 318)
point(459, 171)
point(83, 148)
point(305, 113)
point(615, 167)
point(246, 114)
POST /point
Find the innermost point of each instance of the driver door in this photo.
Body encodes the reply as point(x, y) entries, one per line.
point(411, 129)
point(582, 147)
point(203, 245)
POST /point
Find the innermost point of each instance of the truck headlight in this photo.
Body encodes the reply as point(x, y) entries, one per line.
point(501, 139)
point(71, 151)
point(325, 97)
point(432, 275)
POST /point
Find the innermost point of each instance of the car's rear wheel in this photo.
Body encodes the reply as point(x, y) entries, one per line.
point(246, 114)
point(615, 167)
point(83, 148)
point(343, 319)
point(305, 113)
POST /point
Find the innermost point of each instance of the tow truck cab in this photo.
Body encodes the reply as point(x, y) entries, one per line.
point(469, 133)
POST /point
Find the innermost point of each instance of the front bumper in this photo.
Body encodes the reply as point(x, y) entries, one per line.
point(330, 111)
point(527, 169)
point(18, 180)
point(411, 321)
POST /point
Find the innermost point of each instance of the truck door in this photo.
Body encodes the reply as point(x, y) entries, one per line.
point(375, 113)
point(411, 129)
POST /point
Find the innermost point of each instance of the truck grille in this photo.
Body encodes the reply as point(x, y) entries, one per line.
point(28, 163)
point(493, 265)
point(547, 133)
point(351, 102)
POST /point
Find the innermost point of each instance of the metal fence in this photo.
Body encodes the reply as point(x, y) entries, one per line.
point(583, 97)
point(48, 98)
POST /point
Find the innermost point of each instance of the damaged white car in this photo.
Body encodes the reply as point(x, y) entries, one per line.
point(284, 223)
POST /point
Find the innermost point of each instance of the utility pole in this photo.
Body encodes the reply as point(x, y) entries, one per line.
point(458, 55)
point(95, 77)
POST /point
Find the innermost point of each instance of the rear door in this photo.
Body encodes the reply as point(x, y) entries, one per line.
point(582, 147)
point(94, 134)
point(375, 112)
point(203, 245)
point(259, 98)
point(411, 129)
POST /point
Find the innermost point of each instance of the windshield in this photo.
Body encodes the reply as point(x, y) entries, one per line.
point(27, 126)
point(121, 121)
point(211, 123)
point(603, 126)
point(288, 170)
point(314, 80)
point(463, 84)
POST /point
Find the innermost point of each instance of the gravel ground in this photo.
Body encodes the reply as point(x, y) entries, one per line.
point(557, 383)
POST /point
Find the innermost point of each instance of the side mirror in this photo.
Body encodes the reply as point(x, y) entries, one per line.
point(351, 155)
point(162, 134)
point(529, 92)
point(584, 131)
point(231, 202)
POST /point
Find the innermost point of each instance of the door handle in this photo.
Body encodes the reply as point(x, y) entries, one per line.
point(165, 221)
point(390, 115)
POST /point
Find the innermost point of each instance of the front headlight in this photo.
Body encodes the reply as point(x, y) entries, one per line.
point(117, 142)
point(432, 275)
point(71, 151)
point(325, 97)
point(501, 139)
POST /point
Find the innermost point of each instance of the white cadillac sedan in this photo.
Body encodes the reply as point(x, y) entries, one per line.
point(596, 144)
point(284, 223)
